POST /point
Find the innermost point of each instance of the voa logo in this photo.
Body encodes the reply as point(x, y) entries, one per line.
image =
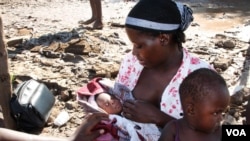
point(236, 132)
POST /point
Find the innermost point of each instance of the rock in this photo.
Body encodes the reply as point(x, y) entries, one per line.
point(15, 41)
point(237, 98)
point(229, 44)
point(229, 120)
point(222, 63)
point(65, 96)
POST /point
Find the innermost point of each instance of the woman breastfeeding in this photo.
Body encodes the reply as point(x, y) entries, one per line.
point(158, 62)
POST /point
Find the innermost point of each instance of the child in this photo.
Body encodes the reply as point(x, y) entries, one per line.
point(204, 97)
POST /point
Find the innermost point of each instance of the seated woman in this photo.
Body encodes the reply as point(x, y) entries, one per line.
point(158, 63)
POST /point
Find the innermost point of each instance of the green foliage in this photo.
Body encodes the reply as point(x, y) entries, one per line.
point(12, 78)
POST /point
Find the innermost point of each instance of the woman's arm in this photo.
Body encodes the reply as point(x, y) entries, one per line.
point(84, 132)
point(141, 111)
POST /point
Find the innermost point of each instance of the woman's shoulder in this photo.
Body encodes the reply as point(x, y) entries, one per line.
point(194, 62)
point(129, 58)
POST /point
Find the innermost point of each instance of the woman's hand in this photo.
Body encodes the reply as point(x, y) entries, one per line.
point(140, 111)
point(85, 131)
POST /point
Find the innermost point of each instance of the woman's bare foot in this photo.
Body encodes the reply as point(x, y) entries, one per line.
point(87, 22)
point(97, 25)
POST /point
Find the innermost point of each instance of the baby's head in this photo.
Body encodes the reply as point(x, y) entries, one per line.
point(109, 103)
point(204, 97)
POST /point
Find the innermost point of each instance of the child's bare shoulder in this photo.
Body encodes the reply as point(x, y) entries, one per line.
point(169, 131)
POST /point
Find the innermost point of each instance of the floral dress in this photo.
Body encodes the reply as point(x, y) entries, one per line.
point(131, 69)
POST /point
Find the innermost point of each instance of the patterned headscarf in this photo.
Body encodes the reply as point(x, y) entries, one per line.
point(159, 15)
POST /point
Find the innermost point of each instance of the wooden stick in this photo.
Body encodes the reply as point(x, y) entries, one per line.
point(5, 84)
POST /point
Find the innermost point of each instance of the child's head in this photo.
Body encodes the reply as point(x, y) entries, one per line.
point(204, 96)
point(109, 103)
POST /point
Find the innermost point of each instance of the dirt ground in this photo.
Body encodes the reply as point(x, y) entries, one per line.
point(37, 21)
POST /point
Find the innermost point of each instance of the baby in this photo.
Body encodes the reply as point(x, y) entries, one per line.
point(106, 97)
point(109, 103)
point(204, 97)
point(103, 95)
